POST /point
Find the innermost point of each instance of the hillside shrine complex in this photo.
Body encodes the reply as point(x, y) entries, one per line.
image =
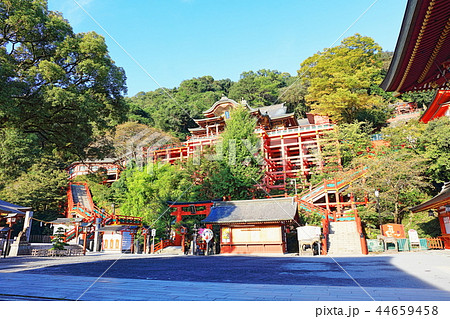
point(290, 150)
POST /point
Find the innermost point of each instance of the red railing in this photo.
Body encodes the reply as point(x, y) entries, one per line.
point(70, 234)
point(162, 244)
point(314, 209)
point(362, 239)
point(125, 220)
point(81, 210)
point(333, 184)
point(325, 232)
point(69, 200)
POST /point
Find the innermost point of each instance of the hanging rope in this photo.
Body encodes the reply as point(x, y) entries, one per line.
point(42, 221)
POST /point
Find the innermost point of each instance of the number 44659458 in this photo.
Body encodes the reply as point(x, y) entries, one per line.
point(407, 310)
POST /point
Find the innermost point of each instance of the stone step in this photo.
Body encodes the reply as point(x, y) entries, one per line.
point(171, 250)
point(343, 239)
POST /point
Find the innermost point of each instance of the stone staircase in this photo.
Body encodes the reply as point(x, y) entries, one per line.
point(80, 196)
point(343, 239)
point(171, 250)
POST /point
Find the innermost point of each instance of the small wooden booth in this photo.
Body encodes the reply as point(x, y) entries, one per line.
point(441, 203)
point(118, 238)
point(253, 226)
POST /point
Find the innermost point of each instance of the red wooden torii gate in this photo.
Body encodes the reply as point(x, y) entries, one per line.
point(180, 212)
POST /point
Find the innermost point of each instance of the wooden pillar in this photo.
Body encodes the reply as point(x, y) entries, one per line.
point(145, 243)
point(283, 159)
point(84, 241)
point(179, 214)
point(327, 200)
point(442, 213)
point(338, 199)
point(179, 218)
point(183, 242)
point(352, 202)
point(6, 245)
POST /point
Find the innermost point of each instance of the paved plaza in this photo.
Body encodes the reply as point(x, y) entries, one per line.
point(391, 277)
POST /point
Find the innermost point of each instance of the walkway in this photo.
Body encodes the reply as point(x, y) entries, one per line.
point(405, 276)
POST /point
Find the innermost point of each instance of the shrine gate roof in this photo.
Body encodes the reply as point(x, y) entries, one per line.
point(422, 55)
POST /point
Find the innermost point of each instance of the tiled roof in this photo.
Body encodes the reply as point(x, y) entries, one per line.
point(253, 211)
point(420, 60)
point(224, 99)
point(6, 207)
point(441, 199)
point(273, 111)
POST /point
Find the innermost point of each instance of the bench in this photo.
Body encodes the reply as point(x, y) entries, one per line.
point(388, 240)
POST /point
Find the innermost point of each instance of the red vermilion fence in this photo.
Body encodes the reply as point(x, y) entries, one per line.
point(435, 243)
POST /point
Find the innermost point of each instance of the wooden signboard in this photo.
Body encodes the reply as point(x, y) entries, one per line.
point(393, 230)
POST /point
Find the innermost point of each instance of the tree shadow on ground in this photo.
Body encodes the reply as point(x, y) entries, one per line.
point(310, 271)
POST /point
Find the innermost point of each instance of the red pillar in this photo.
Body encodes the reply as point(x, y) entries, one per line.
point(145, 242)
point(177, 241)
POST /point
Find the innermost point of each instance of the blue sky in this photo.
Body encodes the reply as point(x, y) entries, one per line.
point(176, 40)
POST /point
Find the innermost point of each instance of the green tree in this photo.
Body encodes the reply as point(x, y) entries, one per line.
point(398, 175)
point(406, 135)
point(231, 167)
point(173, 110)
point(130, 138)
point(259, 88)
point(294, 95)
point(345, 142)
point(430, 140)
point(435, 145)
point(145, 192)
point(204, 172)
point(240, 168)
point(43, 187)
point(58, 239)
point(339, 78)
point(18, 151)
point(59, 85)
point(423, 99)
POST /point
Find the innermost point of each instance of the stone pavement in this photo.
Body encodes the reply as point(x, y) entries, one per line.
point(403, 277)
point(51, 287)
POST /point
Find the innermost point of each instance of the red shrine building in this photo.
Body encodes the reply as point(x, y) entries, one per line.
point(421, 62)
point(110, 166)
point(438, 108)
point(440, 203)
point(254, 226)
point(288, 145)
point(421, 58)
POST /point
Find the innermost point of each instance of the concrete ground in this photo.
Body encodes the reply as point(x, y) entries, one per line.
point(389, 277)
